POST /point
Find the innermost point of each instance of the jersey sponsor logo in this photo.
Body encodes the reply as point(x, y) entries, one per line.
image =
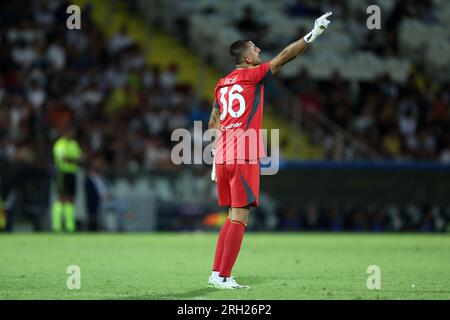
point(235, 146)
point(231, 126)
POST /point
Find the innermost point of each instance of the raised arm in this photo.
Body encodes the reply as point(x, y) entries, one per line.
point(288, 54)
point(297, 47)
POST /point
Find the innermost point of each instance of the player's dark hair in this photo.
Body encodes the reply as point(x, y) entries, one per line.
point(237, 50)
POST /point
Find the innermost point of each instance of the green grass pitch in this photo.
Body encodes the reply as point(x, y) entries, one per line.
point(177, 266)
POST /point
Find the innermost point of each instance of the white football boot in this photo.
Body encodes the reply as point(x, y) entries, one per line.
point(212, 281)
point(214, 278)
point(228, 283)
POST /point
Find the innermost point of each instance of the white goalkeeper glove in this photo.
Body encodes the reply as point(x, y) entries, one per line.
point(319, 26)
point(213, 172)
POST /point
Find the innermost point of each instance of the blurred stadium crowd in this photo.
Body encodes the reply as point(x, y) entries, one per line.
point(387, 88)
point(397, 122)
point(122, 108)
point(125, 110)
point(365, 218)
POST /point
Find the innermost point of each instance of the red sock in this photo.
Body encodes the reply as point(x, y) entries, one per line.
point(232, 245)
point(219, 246)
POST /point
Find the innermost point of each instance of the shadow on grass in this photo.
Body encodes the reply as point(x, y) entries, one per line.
point(201, 294)
point(251, 280)
point(188, 295)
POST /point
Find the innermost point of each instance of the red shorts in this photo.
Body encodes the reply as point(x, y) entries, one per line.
point(238, 184)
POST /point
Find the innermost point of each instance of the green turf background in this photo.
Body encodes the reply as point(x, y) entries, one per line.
point(177, 266)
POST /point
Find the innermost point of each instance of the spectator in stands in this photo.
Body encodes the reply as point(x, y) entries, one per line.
point(444, 156)
point(391, 143)
point(2, 215)
point(359, 220)
point(302, 8)
point(426, 11)
point(290, 219)
point(250, 26)
point(99, 199)
point(427, 223)
point(120, 41)
point(335, 222)
point(310, 99)
point(379, 222)
point(311, 218)
point(95, 190)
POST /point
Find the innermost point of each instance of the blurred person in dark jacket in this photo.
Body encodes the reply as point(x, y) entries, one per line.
point(96, 190)
point(99, 198)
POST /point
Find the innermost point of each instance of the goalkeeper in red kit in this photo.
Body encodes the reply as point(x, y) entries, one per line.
point(237, 114)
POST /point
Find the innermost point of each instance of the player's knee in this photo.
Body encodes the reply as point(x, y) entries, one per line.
point(240, 214)
point(243, 220)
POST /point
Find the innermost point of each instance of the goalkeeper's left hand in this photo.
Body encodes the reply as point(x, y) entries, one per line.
point(319, 26)
point(213, 172)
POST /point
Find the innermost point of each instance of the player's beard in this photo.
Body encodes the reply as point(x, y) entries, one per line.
point(257, 63)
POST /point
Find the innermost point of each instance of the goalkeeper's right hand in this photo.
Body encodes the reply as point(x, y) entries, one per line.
point(213, 172)
point(319, 26)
